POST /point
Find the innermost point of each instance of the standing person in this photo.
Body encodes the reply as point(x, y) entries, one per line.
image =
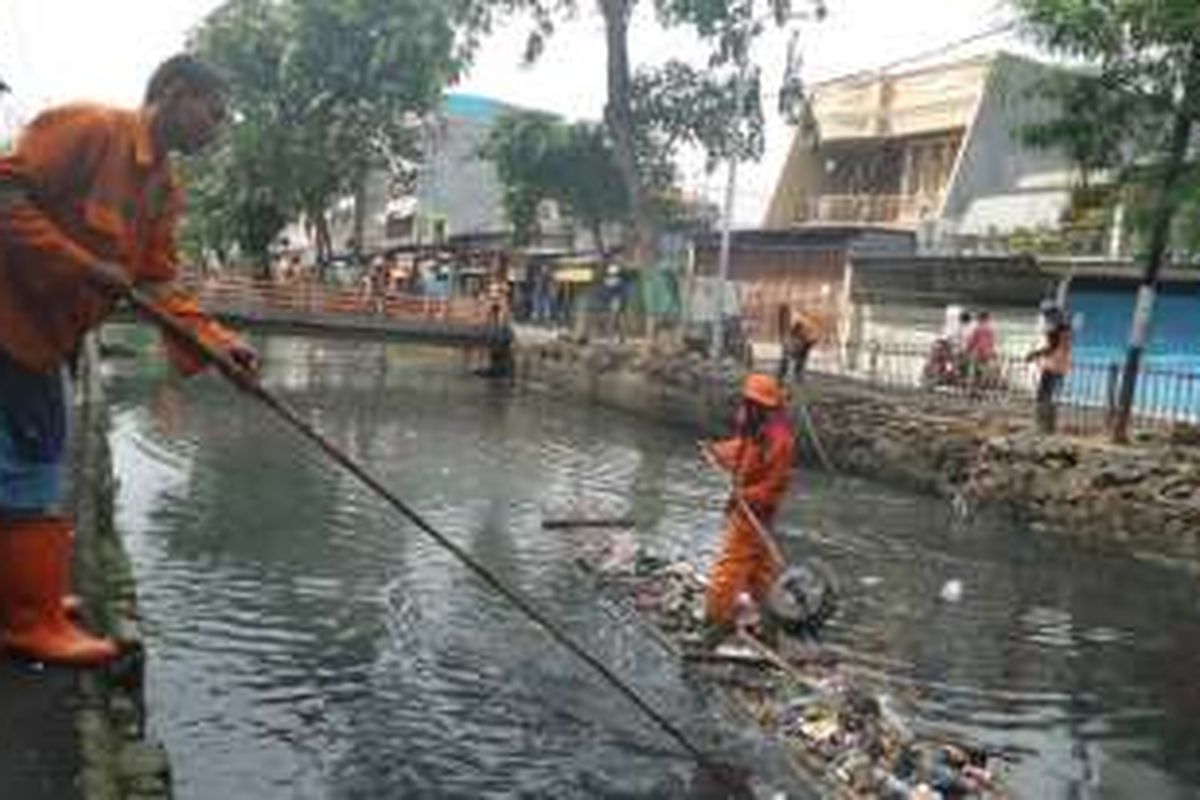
point(981, 349)
point(614, 290)
point(496, 301)
point(87, 209)
point(759, 459)
point(803, 333)
point(378, 281)
point(1054, 359)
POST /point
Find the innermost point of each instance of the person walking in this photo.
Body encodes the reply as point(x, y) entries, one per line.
point(1054, 359)
point(87, 210)
point(759, 459)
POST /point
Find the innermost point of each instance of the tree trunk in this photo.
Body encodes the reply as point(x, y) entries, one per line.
point(360, 211)
point(598, 236)
point(1165, 209)
point(323, 240)
point(618, 115)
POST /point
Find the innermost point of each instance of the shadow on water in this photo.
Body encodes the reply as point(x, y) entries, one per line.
point(304, 642)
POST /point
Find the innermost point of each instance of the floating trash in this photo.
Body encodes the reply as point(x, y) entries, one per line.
point(952, 591)
point(835, 727)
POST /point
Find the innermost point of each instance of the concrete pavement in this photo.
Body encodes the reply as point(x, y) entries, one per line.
point(39, 747)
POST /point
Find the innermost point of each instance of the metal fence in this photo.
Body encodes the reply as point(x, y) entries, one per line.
point(1165, 396)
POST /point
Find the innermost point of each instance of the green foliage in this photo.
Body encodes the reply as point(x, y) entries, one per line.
point(677, 104)
point(321, 92)
point(651, 114)
point(540, 158)
point(518, 146)
point(1117, 112)
point(590, 187)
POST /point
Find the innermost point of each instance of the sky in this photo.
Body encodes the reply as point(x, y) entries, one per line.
point(54, 51)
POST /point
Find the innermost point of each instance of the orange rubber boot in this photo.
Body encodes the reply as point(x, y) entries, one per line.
point(35, 556)
point(72, 606)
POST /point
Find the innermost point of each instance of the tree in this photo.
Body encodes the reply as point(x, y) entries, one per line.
point(518, 146)
point(1130, 111)
point(591, 191)
point(540, 158)
point(644, 120)
point(241, 192)
point(323, 91)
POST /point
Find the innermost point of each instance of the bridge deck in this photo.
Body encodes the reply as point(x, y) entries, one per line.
point(332, 311)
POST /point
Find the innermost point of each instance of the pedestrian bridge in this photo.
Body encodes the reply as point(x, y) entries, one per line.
point(307, 307)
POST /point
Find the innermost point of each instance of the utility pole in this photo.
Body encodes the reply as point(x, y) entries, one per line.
point(718, 328)
point(739, 89)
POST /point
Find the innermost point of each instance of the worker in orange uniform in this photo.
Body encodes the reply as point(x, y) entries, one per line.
point(88, 208)
point(759, 459)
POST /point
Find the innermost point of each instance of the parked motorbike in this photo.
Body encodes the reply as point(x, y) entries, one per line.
point(944, 366)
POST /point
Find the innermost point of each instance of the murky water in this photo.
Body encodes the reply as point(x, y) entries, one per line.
point(307, 643)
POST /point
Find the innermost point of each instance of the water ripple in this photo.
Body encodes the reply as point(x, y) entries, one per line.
point(306, 641)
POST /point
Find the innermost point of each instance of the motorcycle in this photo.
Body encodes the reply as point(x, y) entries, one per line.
point(944, 366)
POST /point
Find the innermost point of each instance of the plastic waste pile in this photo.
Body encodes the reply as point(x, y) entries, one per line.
point(832, 725)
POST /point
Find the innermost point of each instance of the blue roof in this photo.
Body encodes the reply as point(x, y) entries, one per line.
point(474, 107)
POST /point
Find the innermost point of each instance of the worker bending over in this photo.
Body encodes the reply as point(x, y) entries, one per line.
point(88, 207)
point(759, 459)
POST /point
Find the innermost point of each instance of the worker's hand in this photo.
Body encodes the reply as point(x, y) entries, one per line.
point(245, 357)
point(110, 278)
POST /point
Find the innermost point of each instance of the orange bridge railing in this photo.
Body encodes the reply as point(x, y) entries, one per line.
point(314, 302)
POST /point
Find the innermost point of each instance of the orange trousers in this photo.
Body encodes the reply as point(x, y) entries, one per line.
point(745, 565)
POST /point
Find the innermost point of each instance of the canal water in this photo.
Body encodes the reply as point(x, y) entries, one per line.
point(304, 642)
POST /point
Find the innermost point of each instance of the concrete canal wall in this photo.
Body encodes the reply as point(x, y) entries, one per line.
point(117, 760)
point(1146, 495)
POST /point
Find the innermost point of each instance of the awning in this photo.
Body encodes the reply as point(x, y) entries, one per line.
point(575, 275)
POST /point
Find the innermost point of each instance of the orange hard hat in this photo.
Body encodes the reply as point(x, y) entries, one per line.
point(762, 389)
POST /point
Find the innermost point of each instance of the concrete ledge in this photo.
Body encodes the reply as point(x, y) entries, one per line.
point(117, 762)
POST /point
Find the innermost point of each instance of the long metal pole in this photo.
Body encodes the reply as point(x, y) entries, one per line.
point(244, 381)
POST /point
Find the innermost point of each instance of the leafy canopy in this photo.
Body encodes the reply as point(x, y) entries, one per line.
point(321, 92)
point(540, 158)
point(1135, 72)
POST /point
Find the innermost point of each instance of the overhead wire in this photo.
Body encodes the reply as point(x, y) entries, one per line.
point(925, 55)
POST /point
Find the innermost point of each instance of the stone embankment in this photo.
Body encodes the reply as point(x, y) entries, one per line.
point(117, 760)
point(1146, 495)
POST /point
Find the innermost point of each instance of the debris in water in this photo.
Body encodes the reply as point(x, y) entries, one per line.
point(961, 505)
point(952, 591)
point(583, 522)
point(832, 724)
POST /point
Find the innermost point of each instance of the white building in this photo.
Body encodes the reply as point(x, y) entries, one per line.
point(936, 150)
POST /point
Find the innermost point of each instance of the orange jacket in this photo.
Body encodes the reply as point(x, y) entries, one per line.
point(84, 185)
point(761, 466)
